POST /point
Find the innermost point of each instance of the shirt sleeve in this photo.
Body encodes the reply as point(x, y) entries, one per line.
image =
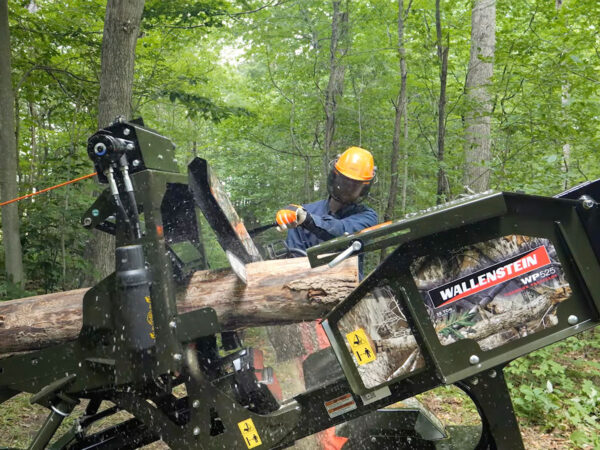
point(327, 227)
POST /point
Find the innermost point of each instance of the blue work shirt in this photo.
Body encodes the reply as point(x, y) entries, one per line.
point(327, 225)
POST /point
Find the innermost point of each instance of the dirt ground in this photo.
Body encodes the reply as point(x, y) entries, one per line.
point(453, 407)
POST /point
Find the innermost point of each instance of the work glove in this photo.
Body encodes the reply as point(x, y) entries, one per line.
point(290, 217)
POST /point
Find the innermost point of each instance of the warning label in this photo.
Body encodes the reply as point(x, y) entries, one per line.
point(249, 433)
point(373, 396)
point(340, 405)
point(361, 347)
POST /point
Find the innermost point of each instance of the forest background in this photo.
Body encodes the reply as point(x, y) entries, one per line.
point(451, 98)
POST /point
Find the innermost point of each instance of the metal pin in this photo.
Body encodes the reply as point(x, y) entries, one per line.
point(126, 179)
point(111, 181)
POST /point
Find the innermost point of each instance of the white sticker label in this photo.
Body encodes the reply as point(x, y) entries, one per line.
point(340, 405)
point(378, 394)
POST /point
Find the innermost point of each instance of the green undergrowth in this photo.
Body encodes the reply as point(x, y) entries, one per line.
point(557, 389)
point(9, 290)
point(19, 421)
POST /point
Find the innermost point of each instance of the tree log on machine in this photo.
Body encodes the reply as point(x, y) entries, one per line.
point(278, 292)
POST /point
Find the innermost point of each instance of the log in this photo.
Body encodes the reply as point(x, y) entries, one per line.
point(278, 292)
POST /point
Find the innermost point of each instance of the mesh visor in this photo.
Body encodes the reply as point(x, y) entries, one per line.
point(344, 189)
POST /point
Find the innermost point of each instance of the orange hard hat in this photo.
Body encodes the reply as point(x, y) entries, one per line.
point(356, 163)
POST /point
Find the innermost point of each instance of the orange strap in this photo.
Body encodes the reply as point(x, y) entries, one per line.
point(89, 175)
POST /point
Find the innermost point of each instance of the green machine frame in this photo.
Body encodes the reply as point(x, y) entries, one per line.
point(135, 348)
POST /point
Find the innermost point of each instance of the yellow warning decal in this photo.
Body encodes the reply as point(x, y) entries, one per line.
point(361, 347)
point(150, 318)
point(249, 433)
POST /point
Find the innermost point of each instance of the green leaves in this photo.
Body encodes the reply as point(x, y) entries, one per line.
point(202, 107)
point(188, 14)
point(572, 406)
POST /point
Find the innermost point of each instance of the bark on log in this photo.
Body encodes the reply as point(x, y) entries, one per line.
point(278, 292)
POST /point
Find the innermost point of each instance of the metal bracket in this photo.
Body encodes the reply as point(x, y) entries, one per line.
point(500, 430)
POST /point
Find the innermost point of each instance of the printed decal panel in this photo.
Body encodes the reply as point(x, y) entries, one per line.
point(494, 291)
point(377, 335)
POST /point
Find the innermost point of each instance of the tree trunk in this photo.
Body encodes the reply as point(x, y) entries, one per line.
point(405, 162)
point(335, 87)
point(400, 112)
point(358, 97)
point(278, 292)
point(565, 99)
point(443, 190)
point(479, 75)
point(11, 236)
point(121, 30)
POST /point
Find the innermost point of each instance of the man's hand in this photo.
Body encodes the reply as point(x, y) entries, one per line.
point(290, 217)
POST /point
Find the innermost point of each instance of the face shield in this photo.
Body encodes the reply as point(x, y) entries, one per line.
point(346, 190)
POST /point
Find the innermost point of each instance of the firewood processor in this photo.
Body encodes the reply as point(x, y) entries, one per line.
point(467, 287)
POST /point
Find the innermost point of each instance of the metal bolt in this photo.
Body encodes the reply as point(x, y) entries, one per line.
point(177, 356)
point(572, 319)
point(196, 404)
point(87, 221)
point(492, 374)
point(588, 203)
point(173, 324)
point(95, 212)
point(475, 381)
point(373, 439)
point(356, 246)
point(135, 162)
point(196, 431)
point(474, 359)
point(126, 131)
point(130, 147)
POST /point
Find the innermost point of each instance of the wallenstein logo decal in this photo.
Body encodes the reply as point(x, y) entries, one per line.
point(490, 276)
